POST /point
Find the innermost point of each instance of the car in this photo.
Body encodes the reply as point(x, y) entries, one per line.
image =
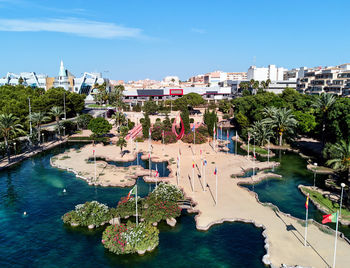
point(194, 111)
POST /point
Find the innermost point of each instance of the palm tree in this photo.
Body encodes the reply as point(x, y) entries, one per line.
point(263, 85)
point(57, 112)
point(324, 102)
point(121, 143)
point(9, 127)
point(341, 159)
point(268, 82)
point(119, 118)
point(255, 86)
point(244, 85)
point(283, 121)
point(37, 119)
point(269, 111)
point(261, 132)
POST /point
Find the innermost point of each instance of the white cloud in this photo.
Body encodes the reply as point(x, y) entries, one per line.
point(197, 30)
point(75, 26)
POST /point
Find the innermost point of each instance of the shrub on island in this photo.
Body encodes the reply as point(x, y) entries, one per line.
point(166, 192)
point(129, 238)
point(161, 204)
point(158, 210)
point(90, 213)
point(127, 207)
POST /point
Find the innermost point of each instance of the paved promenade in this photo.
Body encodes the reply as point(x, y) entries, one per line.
point(20, 157)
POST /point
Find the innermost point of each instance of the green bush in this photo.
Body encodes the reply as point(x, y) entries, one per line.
point(89, 213)
point(84, 120)
point(127, 207)
point(203, 130)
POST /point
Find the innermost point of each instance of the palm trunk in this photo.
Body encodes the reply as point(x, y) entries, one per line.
point(7, 150)
point(39, 134)
point(323, 128)
point(58, 128)
point(281, 134)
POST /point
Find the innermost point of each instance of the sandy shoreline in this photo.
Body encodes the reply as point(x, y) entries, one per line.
point(284, 235)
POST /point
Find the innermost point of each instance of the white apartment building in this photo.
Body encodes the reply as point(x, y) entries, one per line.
point(214, 78)
point(264, 73)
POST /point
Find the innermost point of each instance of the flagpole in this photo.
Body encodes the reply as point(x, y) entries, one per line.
point(137, 155)
point(236, 142)
point(227, 140)
point(254, 157)
point(336, 239)
point(192, 174)
point(268, 152)
point(216, 178)
point(95, 165)
point(194, 139)
point(205, 183)
point(307, 214)
point(248, 144)
point(137, 219)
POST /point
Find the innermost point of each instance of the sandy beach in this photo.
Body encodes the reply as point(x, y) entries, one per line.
point(284, 234)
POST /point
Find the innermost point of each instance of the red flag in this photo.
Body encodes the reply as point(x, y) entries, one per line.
point(329, 218)
point(93, 151)
point(215, 171)
point(193, 164)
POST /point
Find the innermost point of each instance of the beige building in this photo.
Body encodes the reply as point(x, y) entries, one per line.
point(333, 80)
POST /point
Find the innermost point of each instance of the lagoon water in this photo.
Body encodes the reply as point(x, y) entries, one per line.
point(40, 239)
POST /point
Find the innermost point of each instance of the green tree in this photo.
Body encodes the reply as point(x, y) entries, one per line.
point(84, 120)
point(121, 143)
point(324, 103)
point(99, 126)
point(56, 112)
point(306, 122)
point(150, 107)
point(185, 115)
point(341, 157)
point(146, 124)
point(38, 119)
point(9, 128)
point(283, 121)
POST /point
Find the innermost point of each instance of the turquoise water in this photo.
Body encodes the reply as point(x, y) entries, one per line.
point(284, 193)
point(39, 239)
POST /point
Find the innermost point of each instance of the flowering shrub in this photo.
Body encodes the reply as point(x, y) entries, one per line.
point(166, 192)
point(169, 137)
point(157, 210)
point(188, 138)
point(128, 207)
point(156, 133)
point(89, 213)
point(202, 130)
point(124, 239)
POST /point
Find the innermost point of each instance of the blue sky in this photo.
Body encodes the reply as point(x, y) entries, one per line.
point(131, 40)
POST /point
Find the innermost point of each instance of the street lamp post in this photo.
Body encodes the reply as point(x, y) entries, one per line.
point(341, 197)
point(14, 145)
point(315, 164)
point(42, 136)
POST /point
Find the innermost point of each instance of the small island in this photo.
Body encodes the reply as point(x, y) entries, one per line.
point(130, 237)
